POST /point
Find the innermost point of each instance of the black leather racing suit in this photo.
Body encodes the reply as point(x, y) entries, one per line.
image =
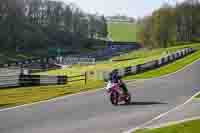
point(114, 78)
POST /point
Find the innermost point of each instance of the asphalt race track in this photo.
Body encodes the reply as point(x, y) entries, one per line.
point(93, 113)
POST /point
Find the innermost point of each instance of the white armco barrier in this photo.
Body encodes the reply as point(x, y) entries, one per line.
point(38, 60)
point(9, 81)
point(166, 59)
point(171, 58)
point(148, 65)
point(9, 72)
point(160, 61)
point(127, 70)
point(133, 69)
point(48, 79)
point(186, 51)
point(175, 55)
point(121, 72)
point(183, 52)
point(180, 53)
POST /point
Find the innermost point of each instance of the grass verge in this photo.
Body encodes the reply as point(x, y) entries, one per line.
point(198, 96)
point(25, 95)
point(186, 127)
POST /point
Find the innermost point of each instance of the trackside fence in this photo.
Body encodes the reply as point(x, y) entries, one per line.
point(77, 78)
point(15, 78)
point(39, 80)
point(131, 70)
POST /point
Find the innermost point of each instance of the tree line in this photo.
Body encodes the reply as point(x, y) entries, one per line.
point(34, 24)
point(170, 25)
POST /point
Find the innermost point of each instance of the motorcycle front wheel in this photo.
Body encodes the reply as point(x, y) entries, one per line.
point(128, 99)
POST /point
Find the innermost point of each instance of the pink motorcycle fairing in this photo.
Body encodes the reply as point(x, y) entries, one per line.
point(115, 87)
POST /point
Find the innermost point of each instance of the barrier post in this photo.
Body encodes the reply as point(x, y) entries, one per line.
point(66, 79)
point(85, 77)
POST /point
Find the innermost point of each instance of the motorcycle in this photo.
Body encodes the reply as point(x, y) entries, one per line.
point(116, 94)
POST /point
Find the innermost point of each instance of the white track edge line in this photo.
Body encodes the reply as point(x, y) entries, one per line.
point(173, 123)
point(161, 115)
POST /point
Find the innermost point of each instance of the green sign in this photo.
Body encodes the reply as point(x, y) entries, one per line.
point(55, 51)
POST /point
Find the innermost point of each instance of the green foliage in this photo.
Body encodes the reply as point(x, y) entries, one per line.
point(158, 30)
point(44, 24)
point(171, 24)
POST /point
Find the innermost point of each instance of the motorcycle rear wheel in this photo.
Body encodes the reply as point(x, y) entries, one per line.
point(114, 98)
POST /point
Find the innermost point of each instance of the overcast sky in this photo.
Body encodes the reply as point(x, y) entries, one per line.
point(132, 8)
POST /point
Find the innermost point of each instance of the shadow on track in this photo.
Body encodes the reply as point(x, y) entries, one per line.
point(4, 105)
point(142, 103)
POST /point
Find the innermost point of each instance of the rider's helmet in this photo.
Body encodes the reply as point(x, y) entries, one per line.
point(115, 72)
point(114, 75)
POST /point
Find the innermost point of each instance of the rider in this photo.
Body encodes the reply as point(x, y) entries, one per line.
point(115, 78)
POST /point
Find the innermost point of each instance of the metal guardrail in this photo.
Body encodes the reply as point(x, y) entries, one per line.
point(148, 65)
point(34, 80)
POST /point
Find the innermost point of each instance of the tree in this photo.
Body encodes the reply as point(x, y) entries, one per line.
point(92, 27)
point(13, 12)
point(184, 22)
point(163, 26)
point(37, 24)
point(58, 14)
point(84, 27)
point(68, 16)
point(34, 11)
point(158, 30)
point(103, 27)
point(144, 35)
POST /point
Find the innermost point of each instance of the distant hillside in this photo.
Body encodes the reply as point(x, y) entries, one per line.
point(122, 31)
